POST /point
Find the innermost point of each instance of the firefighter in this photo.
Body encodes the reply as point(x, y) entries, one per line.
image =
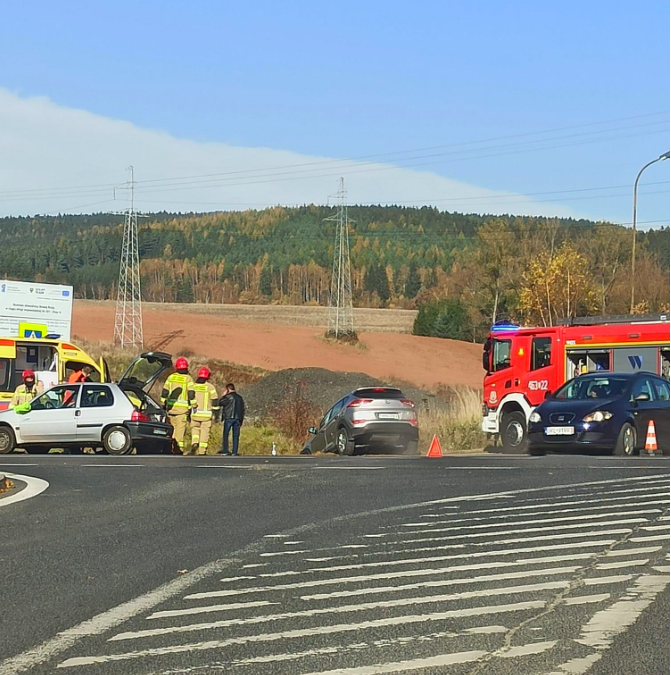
point(177, 397)
point(205, 406)
point(27, 391)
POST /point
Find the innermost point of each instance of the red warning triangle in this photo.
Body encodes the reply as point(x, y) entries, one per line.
point(434, 449)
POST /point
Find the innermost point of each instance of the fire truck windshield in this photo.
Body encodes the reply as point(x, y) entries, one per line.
point(501, 358)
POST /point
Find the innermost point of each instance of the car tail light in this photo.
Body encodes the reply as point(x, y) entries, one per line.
point(357, 421)
point(408, 403)
point(359, 401)
point(413, 422)
point(137, 416)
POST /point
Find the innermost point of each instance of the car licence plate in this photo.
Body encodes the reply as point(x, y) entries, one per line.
point(160, 432)
point(559, 431)
point(387, 416)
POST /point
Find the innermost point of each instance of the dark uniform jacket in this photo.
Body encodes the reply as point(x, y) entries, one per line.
point(232, 407)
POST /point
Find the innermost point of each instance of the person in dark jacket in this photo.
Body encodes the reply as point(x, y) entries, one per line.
point(233, 415)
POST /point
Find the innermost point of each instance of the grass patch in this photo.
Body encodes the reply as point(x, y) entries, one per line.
point(457, 427)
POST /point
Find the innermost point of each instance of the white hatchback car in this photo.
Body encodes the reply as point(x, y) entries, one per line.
point(117, 417)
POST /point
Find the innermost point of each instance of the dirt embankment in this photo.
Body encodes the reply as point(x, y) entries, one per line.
point(424, 362)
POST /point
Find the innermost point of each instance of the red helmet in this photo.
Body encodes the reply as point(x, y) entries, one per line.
point(204, 373)
point(28, 373)
point(181, 363)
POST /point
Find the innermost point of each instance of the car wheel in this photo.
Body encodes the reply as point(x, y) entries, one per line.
point(37, 449)
point(411, 448)
point(514, 432)
point(117, 441)
point(626, 441)
point(344, 444)
point(7, 440)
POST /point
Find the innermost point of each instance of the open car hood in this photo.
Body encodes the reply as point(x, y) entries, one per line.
point(145, 370)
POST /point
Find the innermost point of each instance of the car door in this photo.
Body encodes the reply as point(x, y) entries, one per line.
point(96, 410)
point(643, 408)
point(318, 443)
point(51, 418)
point(661, 412)
point(331, 429)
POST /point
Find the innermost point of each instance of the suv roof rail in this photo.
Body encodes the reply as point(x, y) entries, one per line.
point(620, 318)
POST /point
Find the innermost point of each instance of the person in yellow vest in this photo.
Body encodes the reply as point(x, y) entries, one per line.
point(205, 406)
point(177, 397)
point(27, 391)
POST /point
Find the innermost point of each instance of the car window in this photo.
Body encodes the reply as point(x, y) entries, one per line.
point(662, 390)
point(540, 352)
point(5, 372)
point(337, 408)
point(643, 386)
point(325, 419)
point(502, 354)
point(585, 388)
point(96, 397)
point(56, 398)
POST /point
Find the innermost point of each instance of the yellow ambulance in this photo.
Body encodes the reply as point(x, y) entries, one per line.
point(52, 359)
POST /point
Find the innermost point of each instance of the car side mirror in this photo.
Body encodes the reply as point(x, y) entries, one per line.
point(22, 408)
point(642, 397)
point(548, 394)
point(312, 430)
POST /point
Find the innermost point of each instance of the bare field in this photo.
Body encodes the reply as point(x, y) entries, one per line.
point(424, 362)
point(373, 320)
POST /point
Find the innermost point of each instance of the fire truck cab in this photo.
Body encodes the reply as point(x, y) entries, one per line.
point(522, 364)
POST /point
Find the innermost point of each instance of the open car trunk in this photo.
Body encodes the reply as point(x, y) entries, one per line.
point(138, 379)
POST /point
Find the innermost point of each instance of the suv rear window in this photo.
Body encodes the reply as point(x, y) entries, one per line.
point(379, 392)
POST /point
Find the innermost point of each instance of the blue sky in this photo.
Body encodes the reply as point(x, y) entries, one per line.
point(350, 79)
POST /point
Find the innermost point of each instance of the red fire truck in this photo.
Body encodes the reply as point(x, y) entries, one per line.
point(523, 364)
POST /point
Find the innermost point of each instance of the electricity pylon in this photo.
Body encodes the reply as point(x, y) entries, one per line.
point(128, 317)
point(340, 313)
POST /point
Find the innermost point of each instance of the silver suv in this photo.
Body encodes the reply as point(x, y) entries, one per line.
point(367, 418)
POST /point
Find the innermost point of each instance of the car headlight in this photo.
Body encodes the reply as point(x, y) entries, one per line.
point(598, 416)
point(534, 417)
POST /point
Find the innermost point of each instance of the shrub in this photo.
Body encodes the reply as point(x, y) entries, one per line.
point(445, 318)
point(296, 414)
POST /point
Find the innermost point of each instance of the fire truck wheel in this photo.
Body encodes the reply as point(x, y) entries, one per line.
point(514, 432)
point(626, 441)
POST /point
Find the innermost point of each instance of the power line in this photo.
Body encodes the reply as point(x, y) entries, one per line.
point(357, 159)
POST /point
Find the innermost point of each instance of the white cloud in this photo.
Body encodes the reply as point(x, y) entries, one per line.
point(45, 145)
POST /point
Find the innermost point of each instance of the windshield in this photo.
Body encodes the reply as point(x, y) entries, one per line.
point(585, 388)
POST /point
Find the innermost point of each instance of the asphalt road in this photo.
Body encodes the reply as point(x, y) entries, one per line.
point(357, 566)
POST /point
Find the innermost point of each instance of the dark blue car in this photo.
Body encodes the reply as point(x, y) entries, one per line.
point(602, 411)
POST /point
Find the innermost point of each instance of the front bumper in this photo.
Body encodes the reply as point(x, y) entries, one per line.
point(384, 433)
point(154, 432)
point(490, 421)
point(596, 436)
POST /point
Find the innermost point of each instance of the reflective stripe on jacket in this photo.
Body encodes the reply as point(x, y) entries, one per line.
point(205, 401)
point(23, 395)
point(175, 395)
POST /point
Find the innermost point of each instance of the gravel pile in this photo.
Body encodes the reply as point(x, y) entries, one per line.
point(322, 387)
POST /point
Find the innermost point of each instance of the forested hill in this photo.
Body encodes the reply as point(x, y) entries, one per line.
point(399, 256)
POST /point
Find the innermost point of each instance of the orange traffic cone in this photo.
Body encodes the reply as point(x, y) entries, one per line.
point(651, 438)
point(434, 449)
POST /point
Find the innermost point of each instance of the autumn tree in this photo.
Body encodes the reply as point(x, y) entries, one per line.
point(557, 286)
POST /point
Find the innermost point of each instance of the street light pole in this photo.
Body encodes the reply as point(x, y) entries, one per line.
point(633, 245)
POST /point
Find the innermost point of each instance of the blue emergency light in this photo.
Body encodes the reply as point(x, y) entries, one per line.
point(53, 336)
point(504, 327)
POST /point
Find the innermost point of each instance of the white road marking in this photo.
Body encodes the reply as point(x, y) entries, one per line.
point(344, 468)
point(615, 579)
point(340, 609)
point(657, 537)
point(624, 563)
point(307, 632)
point(553, 528)
point(219, 608)
point(34, 487)
point(586, 599)
point(653, 528)
point(547, 505)
point(104, 621)
point(481, 554)
point(110, 466)
point(536, 521)
point(370, 590)
point(633, 551)
point(602, 628)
